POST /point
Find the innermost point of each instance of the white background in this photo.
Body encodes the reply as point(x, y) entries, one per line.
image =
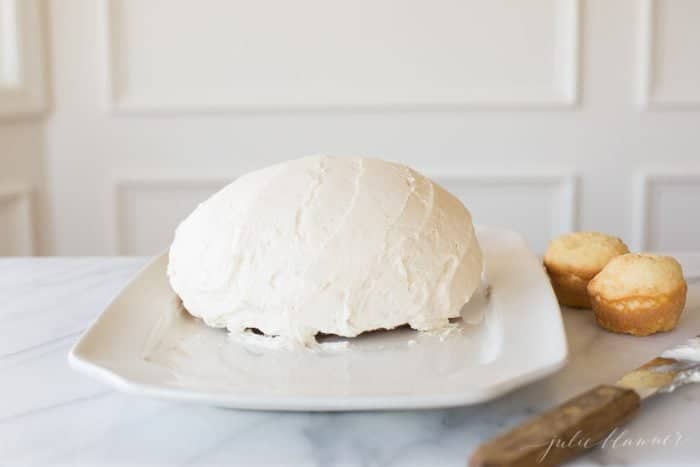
point(544, 116)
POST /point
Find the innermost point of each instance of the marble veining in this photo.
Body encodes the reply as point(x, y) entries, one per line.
point(51, 415)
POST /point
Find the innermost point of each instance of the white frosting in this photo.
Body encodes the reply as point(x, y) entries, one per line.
point(323, 244)
point(689, 350)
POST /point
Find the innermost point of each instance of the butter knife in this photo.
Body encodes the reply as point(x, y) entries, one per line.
point(581, 423)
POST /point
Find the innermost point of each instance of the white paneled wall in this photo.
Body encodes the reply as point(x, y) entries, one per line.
point(669, 211)
point(671, 53)
point(543, 116)
point(317, 54)
point(17, 232)
point(22, 87)
point(147, 209)
point(538, 206)
point(22, 100)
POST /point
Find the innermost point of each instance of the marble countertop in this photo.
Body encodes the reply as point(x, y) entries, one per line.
point(51, 415)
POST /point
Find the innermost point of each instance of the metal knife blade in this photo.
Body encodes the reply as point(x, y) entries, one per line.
point(676, 367)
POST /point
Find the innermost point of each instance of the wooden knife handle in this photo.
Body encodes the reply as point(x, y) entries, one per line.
point(561, 433)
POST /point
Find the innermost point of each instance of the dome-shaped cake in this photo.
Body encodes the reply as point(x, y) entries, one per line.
point(326, 245)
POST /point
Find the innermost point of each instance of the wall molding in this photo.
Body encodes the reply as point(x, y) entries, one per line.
point(647, 184)
point(22, 83)
point(566, 184)
point(645, 53)
point(647, 65)
point(564, 95)
point(150, 181)
point(17, 198)
point(565, 188)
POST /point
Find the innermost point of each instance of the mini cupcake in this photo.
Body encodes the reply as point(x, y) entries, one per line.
point(572, 260)
point(639, 294)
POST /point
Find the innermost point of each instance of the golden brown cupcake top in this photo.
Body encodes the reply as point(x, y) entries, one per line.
point(638, 274)
point(582, 253)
